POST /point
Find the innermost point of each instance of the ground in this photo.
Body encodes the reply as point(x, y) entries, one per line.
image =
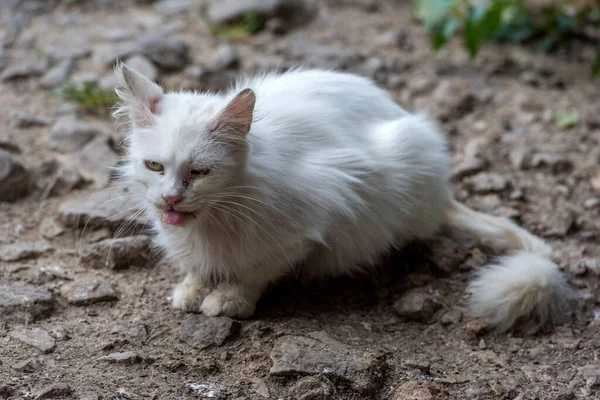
point(75, 327)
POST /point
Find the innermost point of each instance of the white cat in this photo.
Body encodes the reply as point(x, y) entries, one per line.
point(308, 172)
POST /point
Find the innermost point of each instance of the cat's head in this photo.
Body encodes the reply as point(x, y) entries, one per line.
point(184, 149)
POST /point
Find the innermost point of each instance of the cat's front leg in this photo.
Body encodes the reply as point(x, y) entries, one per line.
point(233, 299)
point(189, 294)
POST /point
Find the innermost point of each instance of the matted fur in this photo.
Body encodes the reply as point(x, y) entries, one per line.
point(331, 174)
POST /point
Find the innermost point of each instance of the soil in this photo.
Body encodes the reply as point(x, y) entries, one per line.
point(347, 338)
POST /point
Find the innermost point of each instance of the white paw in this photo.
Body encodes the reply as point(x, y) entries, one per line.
point(229, 302)
point(188, 296)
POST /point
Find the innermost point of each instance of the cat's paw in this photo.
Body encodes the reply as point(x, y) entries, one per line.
point(229, 301)
point(188, 296)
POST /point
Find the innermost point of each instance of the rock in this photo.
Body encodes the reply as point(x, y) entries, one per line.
point(96, 160)
point(591, 375)
point(477, 326)
point(69, 134)
point(64, 179)
point(321, 56)
point(117, 253)
point(209, 79)
point(55, 391)
point(68, 53)
point(7, 143)
point(91, 396)
point(104, 209)
point(260, 388)
point(28, 366)
point(24, 69)
point(473, 160)
point(319, 354)
point(51, 272)
point(416, 390)
point(558, 223)
point(166, 52)
point(107, 54)
point(144, 66)
point(17, 300)
point(108, 82)
point(453, 316)
point(455, 98)
point(313, 388)
point(226, 56)
point(592, 202)
point(15, 179)
point(558, 163)
point(50, 228)
point(35, 337)
point(207, 390)
point(6, 391)
point(127, 358)
point(417, 305)
point(292, 13)
point(174, 7)
point(202, 332)
point(19, 251)
point(58, 75)
point(23, 120)
point(487, 183)
point(87, 291)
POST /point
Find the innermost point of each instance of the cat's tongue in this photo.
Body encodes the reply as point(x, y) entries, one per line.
point(173, 217)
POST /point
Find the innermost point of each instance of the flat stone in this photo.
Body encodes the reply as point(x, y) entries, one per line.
point(174, 7)
point(63, 53)
point(415, 390)
point(87, 291)
point(322, 56)
point(165, 51)
point(96, 160)
point(455, 98)
point(144, 66)
point(260, 388)
point(127, 357)
point(50, 228)
point(19, 251)
point(107, 209)
point(417, 305)
point(24, 120)
point(17, 300)
point(24, 69)
point(202, 332)
point(69, 134)
point(35, 337)
point(8, 143)
point(55, 391)
point(28, 366)
point(319, 354)
point(473, 160)
point(15, 179)
point(58, 74)
point(63, 180)
point(226, 56)
point(107, 54)
point(487, 183)
point(290, 12)
point(559, 223)
point(313, 388)
point(118, 253)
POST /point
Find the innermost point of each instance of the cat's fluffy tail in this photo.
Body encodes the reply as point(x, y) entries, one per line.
point(524, 285)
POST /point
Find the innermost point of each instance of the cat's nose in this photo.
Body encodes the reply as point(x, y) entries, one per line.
point(172, 200)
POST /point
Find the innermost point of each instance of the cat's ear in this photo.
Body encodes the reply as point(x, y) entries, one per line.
point(236, 117)
point(139, 96)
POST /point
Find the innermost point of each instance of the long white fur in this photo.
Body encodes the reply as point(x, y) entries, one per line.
point(332, 174)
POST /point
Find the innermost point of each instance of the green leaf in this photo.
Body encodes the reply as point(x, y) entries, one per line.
point(473, 27)
point(596, 64)
point(433, 11)
point(565, 119)
point(442, 31)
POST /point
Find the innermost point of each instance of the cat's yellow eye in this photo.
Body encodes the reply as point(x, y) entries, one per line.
point(154, 166)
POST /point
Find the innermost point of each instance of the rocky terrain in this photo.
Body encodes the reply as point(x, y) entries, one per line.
point(84, 304)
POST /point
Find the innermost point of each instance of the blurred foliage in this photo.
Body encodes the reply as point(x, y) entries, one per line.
point(248, 26)
point(88, 96)
point(565, 119)
point(549, 23)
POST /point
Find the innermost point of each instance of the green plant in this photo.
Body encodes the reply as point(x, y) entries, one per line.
point(550, 24)
point(89, 96)
point(248, 26)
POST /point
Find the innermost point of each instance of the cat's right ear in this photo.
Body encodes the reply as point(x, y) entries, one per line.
point(139, 96)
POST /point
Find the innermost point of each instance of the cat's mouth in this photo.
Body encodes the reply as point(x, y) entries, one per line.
point(174, 217)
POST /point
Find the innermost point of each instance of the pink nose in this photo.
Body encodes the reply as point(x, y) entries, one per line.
point(171, 200)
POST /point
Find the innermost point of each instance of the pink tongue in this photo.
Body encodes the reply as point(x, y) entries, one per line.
point(173, 217)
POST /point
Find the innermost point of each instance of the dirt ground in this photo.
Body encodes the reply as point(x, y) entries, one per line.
point(75, 328)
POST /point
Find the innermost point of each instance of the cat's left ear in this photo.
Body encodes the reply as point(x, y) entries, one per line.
point(140, 96)
point(236, 117)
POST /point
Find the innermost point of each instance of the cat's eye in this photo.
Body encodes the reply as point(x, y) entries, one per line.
point(196, 173)
point(154, 166)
